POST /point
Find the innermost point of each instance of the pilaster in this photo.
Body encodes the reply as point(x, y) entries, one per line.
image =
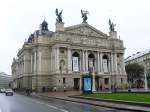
point(57, 60)
point(101, 62)
point(86, 61)
point(83, 61)
point(69, 61)
point(98, 63)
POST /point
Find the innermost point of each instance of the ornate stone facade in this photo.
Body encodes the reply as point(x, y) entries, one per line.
point(59, 59)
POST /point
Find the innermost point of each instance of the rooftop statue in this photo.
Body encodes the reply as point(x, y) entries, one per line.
point(59, 16)
point(84, 16)
point(111, 25)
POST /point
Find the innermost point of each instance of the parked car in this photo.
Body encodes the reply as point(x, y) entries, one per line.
point(2, 90)
point(9, 92)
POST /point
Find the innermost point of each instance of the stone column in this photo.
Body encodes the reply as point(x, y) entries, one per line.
point(39, 63)
point(98, 63)
point(83, 61)
point(145, 80)
point(80, 83)
point(101, 62)
point(109, 65)
point(115, 62)
point(112, 64)
point(52, 60)
point(31, 63)
point(57, 60)
point(35, 61)
point(69, 61)
point(86, 60)
point(24, 66)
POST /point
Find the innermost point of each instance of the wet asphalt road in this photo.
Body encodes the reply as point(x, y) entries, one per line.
point(20, 103)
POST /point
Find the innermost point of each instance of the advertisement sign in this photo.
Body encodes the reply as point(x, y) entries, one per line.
point(87, 84)
point(75, 64)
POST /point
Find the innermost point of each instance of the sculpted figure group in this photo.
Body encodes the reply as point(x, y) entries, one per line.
point(84, 14)
point(59, 16)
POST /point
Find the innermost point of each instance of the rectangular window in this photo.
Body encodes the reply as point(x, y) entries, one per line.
point(64, 80)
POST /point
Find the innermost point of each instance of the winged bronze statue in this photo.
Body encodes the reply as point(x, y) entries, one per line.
point(111, 25)
point(84, 16)
point(59, 16)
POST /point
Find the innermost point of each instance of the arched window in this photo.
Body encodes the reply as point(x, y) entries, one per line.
point(75, 61)
point(91, 62)
point(105, 63)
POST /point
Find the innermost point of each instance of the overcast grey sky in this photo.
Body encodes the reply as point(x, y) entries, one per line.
point(19, 18)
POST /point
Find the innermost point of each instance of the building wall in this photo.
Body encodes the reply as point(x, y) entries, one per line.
point(142, 58)
point(5, 80)
point(48, 60)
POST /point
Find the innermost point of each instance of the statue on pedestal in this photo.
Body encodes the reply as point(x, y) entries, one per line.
point(84, 16)
point(111, 26)
point(59, 16)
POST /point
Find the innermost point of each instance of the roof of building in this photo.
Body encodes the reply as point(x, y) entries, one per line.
point(137, 55)
point(84, 25)
point(4, 74)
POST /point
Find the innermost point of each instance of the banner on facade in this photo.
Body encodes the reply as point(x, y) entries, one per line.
point(75, 64)
point(105, 65)
point(91, 64)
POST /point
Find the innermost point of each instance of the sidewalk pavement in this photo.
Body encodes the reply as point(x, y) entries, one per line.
point(67, 97)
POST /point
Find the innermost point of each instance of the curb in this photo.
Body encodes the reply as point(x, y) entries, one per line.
point(142, 104)
point(102, 105)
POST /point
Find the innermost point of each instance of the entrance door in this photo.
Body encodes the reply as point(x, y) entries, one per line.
point(76, 83)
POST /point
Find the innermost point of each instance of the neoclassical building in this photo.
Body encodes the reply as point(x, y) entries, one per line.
point(58, 59)
point(142, 58)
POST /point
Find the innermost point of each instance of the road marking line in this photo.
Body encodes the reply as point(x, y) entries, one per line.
point(40, 102)
point(51, 106)
point(57, 108)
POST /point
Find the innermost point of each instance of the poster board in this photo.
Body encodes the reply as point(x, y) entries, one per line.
point(75, 61)
point(87, 84)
